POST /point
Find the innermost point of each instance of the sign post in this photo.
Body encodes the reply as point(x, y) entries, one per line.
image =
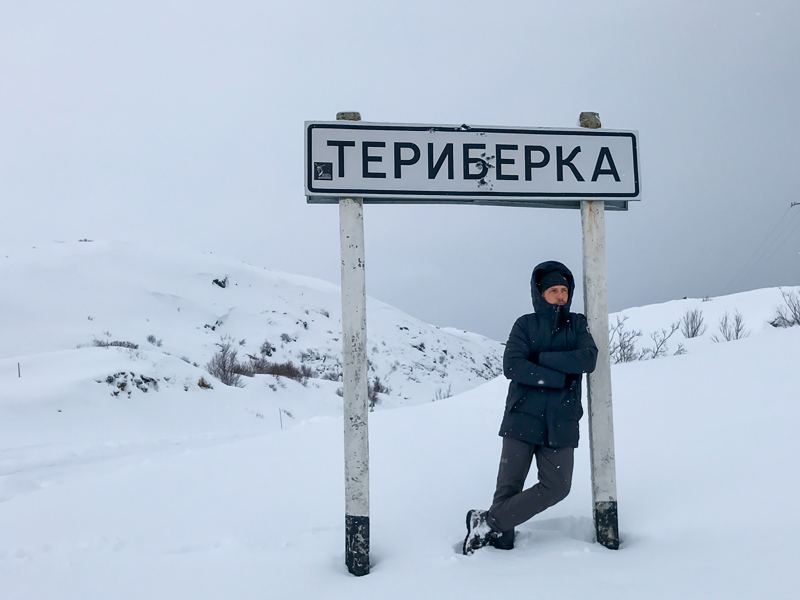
point(601, 420)
point(353, 163)
point(354, 379)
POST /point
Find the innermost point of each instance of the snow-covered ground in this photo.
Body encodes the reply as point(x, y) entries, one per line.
point(183, 492)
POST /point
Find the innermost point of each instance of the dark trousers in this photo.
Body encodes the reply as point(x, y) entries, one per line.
point(511, 505)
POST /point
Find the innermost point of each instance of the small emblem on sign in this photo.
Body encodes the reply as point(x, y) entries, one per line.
point(323, 170)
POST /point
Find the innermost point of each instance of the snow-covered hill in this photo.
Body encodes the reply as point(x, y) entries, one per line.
point(194, 493)
point(63, 297)
point(757, 309)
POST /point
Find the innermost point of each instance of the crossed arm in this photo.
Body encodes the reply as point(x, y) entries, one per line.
point(547, 369)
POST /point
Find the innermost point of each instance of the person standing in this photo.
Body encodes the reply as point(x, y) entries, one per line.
point(545, 356)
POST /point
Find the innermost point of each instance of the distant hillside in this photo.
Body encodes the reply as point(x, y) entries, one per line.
point(184, 303)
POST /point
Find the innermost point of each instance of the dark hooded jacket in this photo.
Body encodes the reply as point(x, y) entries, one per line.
point(545, 356)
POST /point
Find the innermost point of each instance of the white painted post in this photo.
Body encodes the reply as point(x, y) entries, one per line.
point(601, 419)
point(354, 379)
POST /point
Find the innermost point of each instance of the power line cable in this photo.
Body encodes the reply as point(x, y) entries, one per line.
point(728, 288)
point(783, 240)
point(774, 245)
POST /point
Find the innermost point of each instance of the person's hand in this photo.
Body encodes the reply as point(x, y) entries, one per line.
point(571, 381)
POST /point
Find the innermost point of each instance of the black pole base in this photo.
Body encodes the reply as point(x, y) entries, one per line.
point(357, 544)
point(606, 524)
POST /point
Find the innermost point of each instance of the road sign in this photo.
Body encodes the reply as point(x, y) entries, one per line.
point(398, 163)
point(350, 162)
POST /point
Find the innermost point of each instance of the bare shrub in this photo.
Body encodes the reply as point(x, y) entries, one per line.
point(267, 348)
point(105, 344)
point(223, 365)
point(659, 347)
point(245, 369)
point(692, 323)
point(782, 318)
point(202, 383)
point(332, 375)
point(789, 315)
point(792, 300)
point(261, 366)
point(152, 339)
point(622, 343)
point(311, 355)
point(375, 388)
point(442, 393)
point(731, 328)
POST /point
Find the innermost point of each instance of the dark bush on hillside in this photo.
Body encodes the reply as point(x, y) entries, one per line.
point(224, 365)
point(332, 375)
point(286, 369)
point(267, 348)
point(245, 369)
point(691, 323)
point(731, 328)
point(622, 343)
point(375, 388)
point(789, 315)
point(106, 344)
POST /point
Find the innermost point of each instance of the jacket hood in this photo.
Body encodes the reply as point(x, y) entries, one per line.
point(540, 305)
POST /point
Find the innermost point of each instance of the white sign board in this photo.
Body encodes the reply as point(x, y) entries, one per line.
point(393, 163)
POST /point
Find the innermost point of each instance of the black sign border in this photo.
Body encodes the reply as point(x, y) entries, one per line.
point(325, 196)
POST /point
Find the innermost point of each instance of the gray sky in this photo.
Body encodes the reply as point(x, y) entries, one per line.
point(182, 123)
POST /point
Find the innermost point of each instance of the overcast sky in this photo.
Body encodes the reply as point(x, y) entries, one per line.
point(181, 123)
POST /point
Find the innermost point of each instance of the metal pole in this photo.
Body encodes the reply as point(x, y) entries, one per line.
point(601, 419)
point(354, 380)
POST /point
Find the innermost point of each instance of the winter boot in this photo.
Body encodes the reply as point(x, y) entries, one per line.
point(479, 534)
point(504, 541)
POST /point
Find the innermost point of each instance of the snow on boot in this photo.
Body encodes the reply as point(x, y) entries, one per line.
point(479, 534)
